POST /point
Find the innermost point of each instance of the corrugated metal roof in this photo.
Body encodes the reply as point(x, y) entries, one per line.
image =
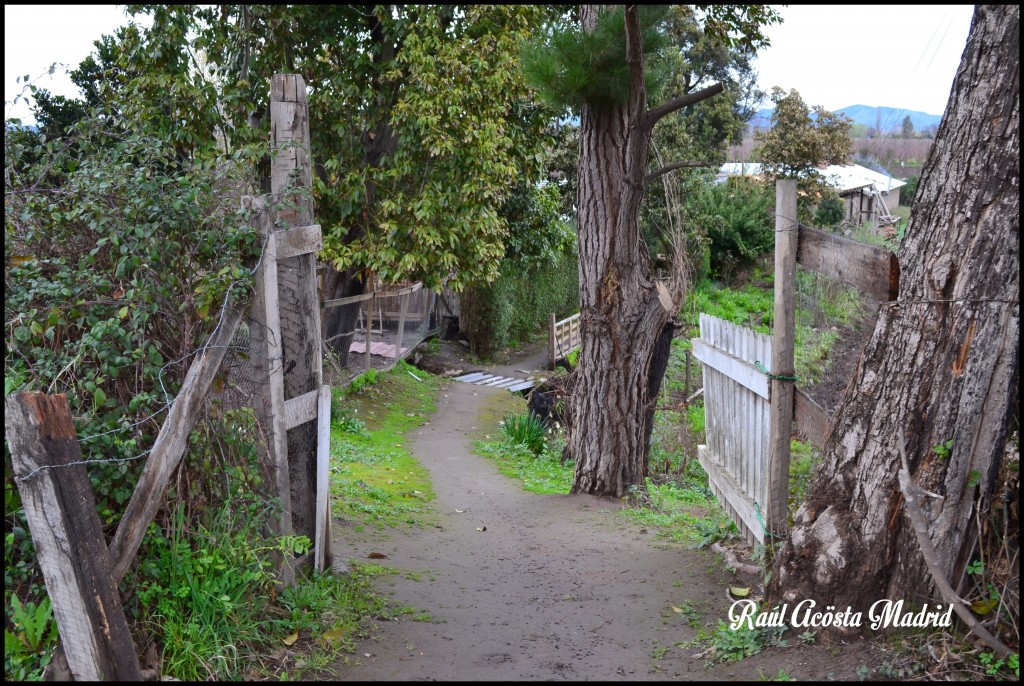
point(842, 177)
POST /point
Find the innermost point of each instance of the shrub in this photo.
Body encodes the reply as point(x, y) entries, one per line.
point(907, 192)
point(739, 216)
point(830, 212)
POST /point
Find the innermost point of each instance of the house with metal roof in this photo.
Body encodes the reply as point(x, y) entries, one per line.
point(867, 194)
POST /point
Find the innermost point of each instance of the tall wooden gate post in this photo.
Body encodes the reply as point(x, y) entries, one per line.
point(781, 395)
point(287, 304)
point(70, 546)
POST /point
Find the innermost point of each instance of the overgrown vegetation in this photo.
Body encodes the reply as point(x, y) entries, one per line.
point(519, 302)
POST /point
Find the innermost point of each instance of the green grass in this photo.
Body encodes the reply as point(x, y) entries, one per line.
point(374, 479)
point(541, 473)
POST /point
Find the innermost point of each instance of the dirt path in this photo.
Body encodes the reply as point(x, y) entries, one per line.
point(555, 587)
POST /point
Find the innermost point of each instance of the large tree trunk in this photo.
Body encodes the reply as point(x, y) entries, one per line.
point(941, 364)
point(621, 313)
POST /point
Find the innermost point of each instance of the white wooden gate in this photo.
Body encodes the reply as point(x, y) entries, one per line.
point(737, 420)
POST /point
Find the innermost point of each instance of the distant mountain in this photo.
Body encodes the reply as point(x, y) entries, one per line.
point(888, 118)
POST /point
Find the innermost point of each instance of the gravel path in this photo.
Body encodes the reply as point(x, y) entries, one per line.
point(520, 586)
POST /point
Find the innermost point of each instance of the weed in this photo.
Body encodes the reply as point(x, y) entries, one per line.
point(993, 665)
point(714, 528)
point(943, 450)
point(728, 645)
point(660, 652)
point(781, 675)
point(527, 430)
point(364, 380)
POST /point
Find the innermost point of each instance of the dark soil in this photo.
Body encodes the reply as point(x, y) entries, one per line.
point(518, 586)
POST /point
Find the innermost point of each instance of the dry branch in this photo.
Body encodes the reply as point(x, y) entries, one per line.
point(911, 492)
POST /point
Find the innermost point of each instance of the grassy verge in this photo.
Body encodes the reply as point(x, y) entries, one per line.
point(374, 479)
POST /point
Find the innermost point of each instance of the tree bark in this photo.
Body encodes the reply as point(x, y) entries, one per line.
point(624, 313)
point(621, 313)
point(942, 362)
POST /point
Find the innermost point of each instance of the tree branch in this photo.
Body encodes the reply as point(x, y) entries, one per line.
point(672, 167)
point(911, 492)
point(655, 115)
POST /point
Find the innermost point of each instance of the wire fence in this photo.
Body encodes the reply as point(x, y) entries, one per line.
point(833, 322)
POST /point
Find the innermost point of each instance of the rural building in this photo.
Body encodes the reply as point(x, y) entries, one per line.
point(868, 195)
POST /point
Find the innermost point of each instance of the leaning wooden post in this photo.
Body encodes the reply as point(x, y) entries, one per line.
point(69, 542)
point(369, 324)
point(781, 393)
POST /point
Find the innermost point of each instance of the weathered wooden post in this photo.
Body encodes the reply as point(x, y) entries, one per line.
point(287, 304)
point(403, 303)
point(69, 542)
point(782, 372)
point(552, 353)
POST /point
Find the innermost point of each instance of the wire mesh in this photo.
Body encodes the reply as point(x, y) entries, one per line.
point(833, 322)
point(391, 322)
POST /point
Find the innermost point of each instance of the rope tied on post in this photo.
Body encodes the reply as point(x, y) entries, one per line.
point(780, 377)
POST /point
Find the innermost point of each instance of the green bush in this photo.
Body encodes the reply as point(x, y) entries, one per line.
point(830, 212)
point(739, 216)
point(907, 192)
point(519, 302)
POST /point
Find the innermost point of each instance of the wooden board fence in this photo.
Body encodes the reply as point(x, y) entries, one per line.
point(736, 407)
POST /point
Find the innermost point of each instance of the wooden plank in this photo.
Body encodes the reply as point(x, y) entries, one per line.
point(552, 340)
point(783, 343)
point(322, 542)
point(170, 445)
point(870, 268)
point(404, 303)
point(812, 421)
point(349, 300)
point(271, 407)
point(300, 409)
point(740, 371)
point(470, 378)
point(522, 386)
point(70, 547)
point(299, 241)
point(742, 504)
point(495, 381)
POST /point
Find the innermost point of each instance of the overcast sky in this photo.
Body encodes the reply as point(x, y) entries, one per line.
point(835, 55)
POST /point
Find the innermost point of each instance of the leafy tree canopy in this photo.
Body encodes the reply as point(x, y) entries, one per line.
point(420, 121)
point(796, 144)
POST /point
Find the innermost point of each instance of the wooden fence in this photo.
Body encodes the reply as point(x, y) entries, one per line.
point(80, 571)
point(563, 337)
point(748, 448)
point(736, 408)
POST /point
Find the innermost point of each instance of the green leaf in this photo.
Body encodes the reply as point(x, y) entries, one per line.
point(99, 398)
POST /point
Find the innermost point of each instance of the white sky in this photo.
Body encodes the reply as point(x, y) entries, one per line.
point(875, 55)
point(895, 56)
